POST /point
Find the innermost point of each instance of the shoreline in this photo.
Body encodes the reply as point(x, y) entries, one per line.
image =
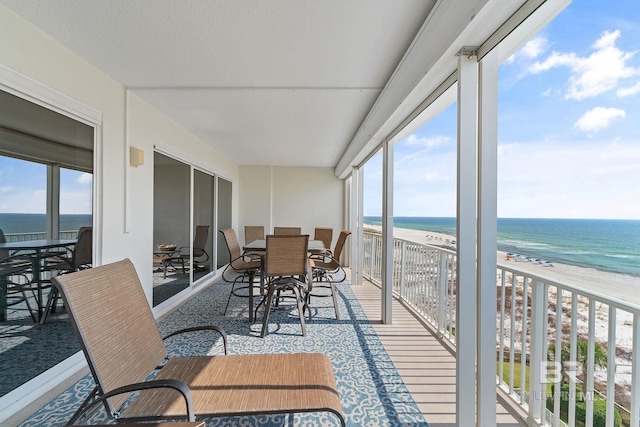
point(617, 285)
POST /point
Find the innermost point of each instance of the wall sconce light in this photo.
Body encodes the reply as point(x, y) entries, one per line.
point(136, 157)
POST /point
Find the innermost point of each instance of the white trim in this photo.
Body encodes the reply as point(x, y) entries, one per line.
point(487, 237)
point(38, 391)
point(26, 88)
point(387, 232)
point(177, 154)
point(466, 241)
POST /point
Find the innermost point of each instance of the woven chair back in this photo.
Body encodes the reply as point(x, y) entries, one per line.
point(325, 234)
point(286, 255)
point(83, 250)
point(114, 325)
point(287, 231)
point(4, 253)
point(232, 243)
point(340, 243)
point(253, 232)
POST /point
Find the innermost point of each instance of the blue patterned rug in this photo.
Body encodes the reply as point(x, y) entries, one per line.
point(371, 391)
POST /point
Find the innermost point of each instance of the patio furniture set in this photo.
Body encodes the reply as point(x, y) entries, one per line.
point(122, 359)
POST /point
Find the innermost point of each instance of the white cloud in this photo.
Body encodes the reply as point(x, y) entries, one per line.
point(628, 91)
point(569, 180)
point(85, 179)
point(534, 47)
point(6, 189)
point(428, 143)
point(531, 50)
point(595, 74)
point(435, 177)
point(598, 118)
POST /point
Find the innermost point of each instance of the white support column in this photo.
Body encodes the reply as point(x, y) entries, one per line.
point(487, 238)
point(387, 231)
point(536, 399)
point(360, 236)
point(356, 228)
point(466, 240)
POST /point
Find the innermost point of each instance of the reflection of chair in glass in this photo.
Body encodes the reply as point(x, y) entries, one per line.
point(122, 357)
point(287, 231)
point(327, 270)
point(79, 258)
point(286, 269)
point(197, 249)
point(245, 268)
point(15, 277)
point(15, 280)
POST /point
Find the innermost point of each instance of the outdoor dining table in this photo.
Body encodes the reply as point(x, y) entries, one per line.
point(259, 246)
point(37, 251)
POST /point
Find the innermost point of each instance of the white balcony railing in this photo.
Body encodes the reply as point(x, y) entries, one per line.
point(596, 337)
point(39, 235)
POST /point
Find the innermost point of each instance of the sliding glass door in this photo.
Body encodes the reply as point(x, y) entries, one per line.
point(190, 205)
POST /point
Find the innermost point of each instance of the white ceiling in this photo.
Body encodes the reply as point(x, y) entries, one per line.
point(279, 82)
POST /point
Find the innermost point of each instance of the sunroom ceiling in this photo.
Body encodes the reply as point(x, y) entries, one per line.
point(279, 82)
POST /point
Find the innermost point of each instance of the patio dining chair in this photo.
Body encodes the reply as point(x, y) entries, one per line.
point(327, 270)
point(325, 234)
point(286, 269)
point(79, 258)
point(287, 231)
point(122, 358)
point(241, 270)
point(15, 277)
point(253, 232)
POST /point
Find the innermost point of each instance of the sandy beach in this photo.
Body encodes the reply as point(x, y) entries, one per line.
point(621, 286)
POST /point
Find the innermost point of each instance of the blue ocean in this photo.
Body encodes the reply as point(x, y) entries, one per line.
point(33, 223)
point(608, 245)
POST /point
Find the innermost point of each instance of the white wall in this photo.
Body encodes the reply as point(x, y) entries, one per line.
point(306, 197)
point(47, 66)
point(36, 55)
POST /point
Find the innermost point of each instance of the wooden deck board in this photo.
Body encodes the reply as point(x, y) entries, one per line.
point(427, 367)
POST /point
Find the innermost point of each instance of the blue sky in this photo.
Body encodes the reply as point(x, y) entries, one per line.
point(569, 132)
point(23, 188)
point(569, 127)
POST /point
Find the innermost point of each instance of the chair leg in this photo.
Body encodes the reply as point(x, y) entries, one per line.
point(301, 305)
point(233, 286)
point(267, 311)
point(335, 299)
point(51, 304)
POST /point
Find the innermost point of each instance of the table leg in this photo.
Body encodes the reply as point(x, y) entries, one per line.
point(37, 278)
point(251, 314)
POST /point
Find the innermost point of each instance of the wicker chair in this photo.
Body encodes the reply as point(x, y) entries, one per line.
point(328, 270)
point(325, 234)
point(16, 275)
point(121, 358)
point(287, 231)
point(253, 232)
point(241, 270)
point(286, 269)
point(80, 258)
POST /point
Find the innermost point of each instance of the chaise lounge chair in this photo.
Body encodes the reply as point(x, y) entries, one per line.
point(123, 347)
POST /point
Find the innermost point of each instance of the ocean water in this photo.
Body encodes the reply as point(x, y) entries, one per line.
point(33, 223)
point(608, 245)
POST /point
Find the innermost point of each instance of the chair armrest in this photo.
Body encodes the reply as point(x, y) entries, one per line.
point(179, 386)
point(202, 328)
